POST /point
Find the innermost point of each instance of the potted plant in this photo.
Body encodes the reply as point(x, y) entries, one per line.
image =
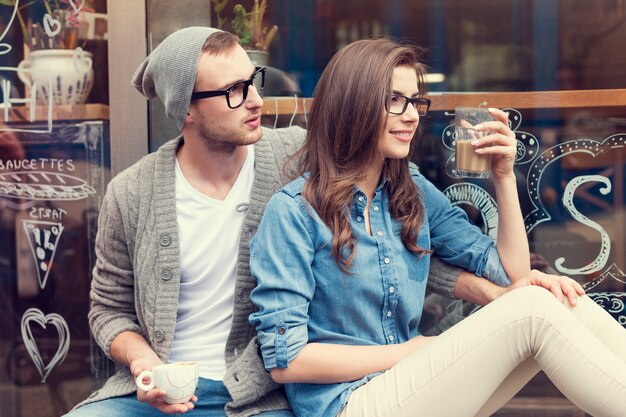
point(248, 26)
point(61, 70)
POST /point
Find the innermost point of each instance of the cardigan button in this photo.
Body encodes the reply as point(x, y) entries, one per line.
point(165, 239)
point(166, 274)
point(159, 336)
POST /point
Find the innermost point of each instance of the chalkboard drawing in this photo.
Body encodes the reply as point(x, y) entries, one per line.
point(5, 48)
point(467, 193)
point(46, 186)
point(40, 113)
point(568, 203)
point(34, 315)
point(527, 143)
point(588, 146)
point(51, 26)
point(613, 302)
point(43, 238)
point(70, 70)
point(76, 7)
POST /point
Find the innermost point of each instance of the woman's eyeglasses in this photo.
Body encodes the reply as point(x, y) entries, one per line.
point(397, 104)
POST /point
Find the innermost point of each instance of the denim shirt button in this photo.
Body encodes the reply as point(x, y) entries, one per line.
point(359, 218)
point(390, 338)
point(375, 208)
point(389, 314)
point(379, 233)
point(391, 290)
point(281, 330)
point(361, 198)
point(386, 260)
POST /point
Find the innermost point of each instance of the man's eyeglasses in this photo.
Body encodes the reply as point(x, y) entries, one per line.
point(397, 104)
point(237, 93)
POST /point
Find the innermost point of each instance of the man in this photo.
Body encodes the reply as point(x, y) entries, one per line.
point(172, 280)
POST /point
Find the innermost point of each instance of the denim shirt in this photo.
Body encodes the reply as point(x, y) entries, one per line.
point(303, 296)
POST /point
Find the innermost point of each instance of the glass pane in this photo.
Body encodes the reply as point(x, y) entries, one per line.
point(54, 167)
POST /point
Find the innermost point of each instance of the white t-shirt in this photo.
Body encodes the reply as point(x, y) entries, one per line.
point(209, 238)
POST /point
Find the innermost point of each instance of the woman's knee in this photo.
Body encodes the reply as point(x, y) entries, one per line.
point(532, 301)
point(533, 293)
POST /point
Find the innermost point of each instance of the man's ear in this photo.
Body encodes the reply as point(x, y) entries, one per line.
point(189, 117)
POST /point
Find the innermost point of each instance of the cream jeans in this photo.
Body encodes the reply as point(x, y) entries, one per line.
point(476, 366)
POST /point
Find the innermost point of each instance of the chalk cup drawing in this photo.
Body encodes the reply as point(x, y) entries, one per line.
point(36, 316)
point(70, 72)
point(43, 238)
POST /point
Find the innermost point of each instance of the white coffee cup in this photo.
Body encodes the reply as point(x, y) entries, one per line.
point(179, 380)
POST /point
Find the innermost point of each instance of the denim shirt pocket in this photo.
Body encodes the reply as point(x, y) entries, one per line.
point(416, 264)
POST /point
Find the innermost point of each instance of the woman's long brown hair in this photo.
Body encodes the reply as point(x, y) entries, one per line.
point(347, 120)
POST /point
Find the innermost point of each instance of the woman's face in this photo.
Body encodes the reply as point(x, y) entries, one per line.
point(400, 129)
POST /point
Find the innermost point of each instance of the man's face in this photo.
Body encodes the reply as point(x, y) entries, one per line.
point(221, 127)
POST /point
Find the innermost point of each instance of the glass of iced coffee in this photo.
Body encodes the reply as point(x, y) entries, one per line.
point(470, 164)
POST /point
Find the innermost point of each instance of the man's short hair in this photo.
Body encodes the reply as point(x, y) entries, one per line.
point(220, 42)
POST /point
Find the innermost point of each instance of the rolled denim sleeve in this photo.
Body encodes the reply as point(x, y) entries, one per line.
point(281, 254)
point(455, 240)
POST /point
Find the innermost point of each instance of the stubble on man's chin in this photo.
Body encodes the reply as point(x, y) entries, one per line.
point(227, 145)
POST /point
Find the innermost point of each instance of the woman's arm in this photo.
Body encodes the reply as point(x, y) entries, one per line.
point(512, 243)
point(320, 363)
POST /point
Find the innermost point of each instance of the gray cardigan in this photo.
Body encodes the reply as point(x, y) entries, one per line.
point(137, 274)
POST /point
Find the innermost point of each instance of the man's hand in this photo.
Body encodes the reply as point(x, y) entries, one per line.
point(154, 397)
point(562, 287)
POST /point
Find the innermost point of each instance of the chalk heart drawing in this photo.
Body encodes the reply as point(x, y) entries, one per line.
point(43, 238)
point(613, 302)
point(467, 193)
point(82, 63)
point(36, 316)
point(51, 25)
point(527, 144)
point(5, 48)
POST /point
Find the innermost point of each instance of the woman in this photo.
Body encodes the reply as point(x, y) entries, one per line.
point(341, 258)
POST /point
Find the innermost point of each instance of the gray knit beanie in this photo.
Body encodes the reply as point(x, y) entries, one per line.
point(169, 72)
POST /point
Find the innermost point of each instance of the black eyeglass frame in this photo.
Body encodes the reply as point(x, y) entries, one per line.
point(199, 95)
point(417, 102)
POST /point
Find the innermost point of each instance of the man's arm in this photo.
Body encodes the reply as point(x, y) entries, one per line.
point(480, 291)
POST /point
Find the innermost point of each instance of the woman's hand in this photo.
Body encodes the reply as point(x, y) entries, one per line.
point(562, 287)
point(155, 396)
point(500, 144)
